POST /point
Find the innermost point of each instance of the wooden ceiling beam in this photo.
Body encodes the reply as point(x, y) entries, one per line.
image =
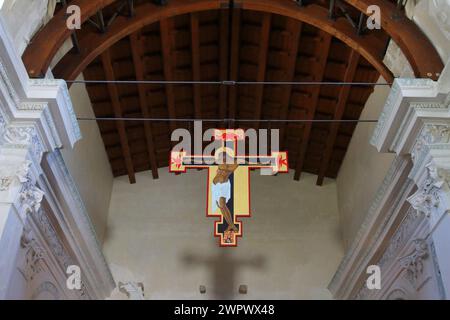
point(223, 63)
point(234, 60)
point(46, 43)
point(166, 26)
point(137, 52)
point(344, 94)
point(94, 43)
point(419, 50)
point(115, 101)
point(195, 48)
point(294, 27)
point(262, 66)
point(318, 73)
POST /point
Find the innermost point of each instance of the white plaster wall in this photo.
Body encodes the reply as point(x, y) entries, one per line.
point(433, 17)
point(158, 234)
point(362, 170)
point(88, 163)
point(24, 18)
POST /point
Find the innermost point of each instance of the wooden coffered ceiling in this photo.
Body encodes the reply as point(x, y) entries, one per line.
point(255, 40)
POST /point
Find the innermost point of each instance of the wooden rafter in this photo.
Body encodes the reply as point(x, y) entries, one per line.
point(368, 45)
point(294, 27)
point(262, 65)
point(303, 60)
point(195, 47)
point(137, 52)
point(93, 43)
point(115, 101)
point(419, 50)
point(318, 74)
point(46, 43)
point(223, 64)
point(234, 60)
point(339, 111)
point(166, 26)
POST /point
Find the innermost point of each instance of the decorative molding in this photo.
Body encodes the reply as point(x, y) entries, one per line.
point(413, 263)
point(37, 117)
point(402, 95)
point(6, 84)
point(427, 197)
point(47, 287)
point(57, 248)
point(437, 271)
point(396, 167)
point(11, 172)
point(61, 87)
point(397, 294)
point(397, 242)
point(32, 106)
point(387, 111)
point(134, 290)
point(83, 219)
point(34, 255)
point(432, 136)
point(24, 137)
point(401, 237)
point(31, 198)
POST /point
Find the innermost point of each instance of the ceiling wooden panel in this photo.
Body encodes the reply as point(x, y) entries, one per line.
point(260, 47)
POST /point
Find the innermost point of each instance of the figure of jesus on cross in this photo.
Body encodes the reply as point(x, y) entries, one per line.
point(228, 185)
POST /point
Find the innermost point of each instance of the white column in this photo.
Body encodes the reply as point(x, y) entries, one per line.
point(36, 120)
point(406, 232)
point(416, 123)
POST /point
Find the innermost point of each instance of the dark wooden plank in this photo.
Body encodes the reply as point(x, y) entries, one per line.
point(224, 60)
point(262, 66)
point(166, 26)
point(137, 51)
point(339, 111)
point(234, 61)
point(318, 73)
point(115, 101)
point(295, 29)
point(195, 47)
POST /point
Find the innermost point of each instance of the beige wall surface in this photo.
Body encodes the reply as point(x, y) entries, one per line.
point(158, 234)
point(88, 163)
point(362, 171)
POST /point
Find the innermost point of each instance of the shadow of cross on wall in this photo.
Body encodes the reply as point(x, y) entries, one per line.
point(223, 268)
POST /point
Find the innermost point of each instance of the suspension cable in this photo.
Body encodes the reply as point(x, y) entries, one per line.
point(229, 83)
point(228, 120)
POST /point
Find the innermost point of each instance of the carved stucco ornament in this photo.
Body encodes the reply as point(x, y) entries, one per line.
point(9, 173)
point(34, 255)
point(427, 198)
point(432, 134)
point(134, 290)
point(413, 263)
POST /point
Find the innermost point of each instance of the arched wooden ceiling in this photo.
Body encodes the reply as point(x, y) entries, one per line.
point(418, 49)
point(202, 40)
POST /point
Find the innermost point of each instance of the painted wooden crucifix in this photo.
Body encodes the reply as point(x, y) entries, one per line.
point(228, 183)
